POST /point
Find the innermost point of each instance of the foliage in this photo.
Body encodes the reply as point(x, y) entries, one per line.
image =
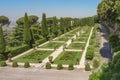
point(27, 35)
point(70, 67)
point(26, 64)
point(96, 63)
point(34, 56)
point(48, 66)
point(4, 20)
point(44, 27)
point(17, 50)
point(59, 66)
point(113, 39)
point(14, 64)
point(90, 53)
point(3, 64)
point(55, 27)
point(87, 67)
point(1, 57)
point(32, 19)
point(2, 41)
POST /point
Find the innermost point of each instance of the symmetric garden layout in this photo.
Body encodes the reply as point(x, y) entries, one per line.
point(65, 49)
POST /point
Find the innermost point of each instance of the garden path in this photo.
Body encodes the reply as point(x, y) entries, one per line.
point(82, 61)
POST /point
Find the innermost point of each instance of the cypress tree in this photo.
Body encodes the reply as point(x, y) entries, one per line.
point(61, 25)
point(44, 27)
point(2, 41)
point(27, 35)
point(55, 28)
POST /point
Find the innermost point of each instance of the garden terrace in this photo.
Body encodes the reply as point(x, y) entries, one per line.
point(52, 45)
point(68, 57)
point(76, 46)
point(62, 39)
point(34, 56)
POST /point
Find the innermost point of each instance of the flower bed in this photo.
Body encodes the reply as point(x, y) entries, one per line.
point(52, 45)
point(34, 56)
point(76, 46)
point(68, 57)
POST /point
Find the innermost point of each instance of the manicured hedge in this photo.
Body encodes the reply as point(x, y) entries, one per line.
point(48, 66)
point(17, 50)
point(90, 53)
point(3, 64)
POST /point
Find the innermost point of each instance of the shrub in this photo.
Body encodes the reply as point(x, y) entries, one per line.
point(14, 64)
point(70, 67)
point(26, 65)
point(17, 50)
point(90, 53)
point(96, 63)
point(1, 57)
point(48, 66)
point(3, 63)
point(59, 66)
point(87, 67)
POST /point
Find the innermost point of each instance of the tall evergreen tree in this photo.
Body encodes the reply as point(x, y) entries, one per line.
point(55, 28)
point(61, 25)
point(2, 41)
point(44, 27)
point(27, 35)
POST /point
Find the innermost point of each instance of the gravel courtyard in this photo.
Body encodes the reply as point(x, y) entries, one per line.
point(9, 73)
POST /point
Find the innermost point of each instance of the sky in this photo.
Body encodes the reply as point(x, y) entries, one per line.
point(15, 9)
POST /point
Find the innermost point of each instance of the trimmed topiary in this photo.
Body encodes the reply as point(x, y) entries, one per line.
point(3, 64)
point(87, 67)
point(14, 64)
point(59, 67)
point(48, 66)
point(70, 67)
point(26, 65)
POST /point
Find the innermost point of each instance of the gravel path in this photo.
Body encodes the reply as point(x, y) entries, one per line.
point(105, 48)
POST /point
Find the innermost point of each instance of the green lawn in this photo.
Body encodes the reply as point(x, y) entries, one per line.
point(33, 56)
point(68, 57)
point(76, 46)
point(52, 45)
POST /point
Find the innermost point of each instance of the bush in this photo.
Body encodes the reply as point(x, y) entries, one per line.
point(3, 63)
point(90, 53)
point(14, 64)
point(1, 57)
point(87, 67)
point(17, 50)
point(26, 65)
point(48, 66)
point(70, 67)
point(59, 67)
point(96, 63)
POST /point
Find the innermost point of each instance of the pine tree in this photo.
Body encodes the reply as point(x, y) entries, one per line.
point(44, 27)
point(27, 35)
point(55, 28)
point(2, 41)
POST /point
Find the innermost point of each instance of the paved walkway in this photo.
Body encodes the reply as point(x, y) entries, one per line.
point(82, 61)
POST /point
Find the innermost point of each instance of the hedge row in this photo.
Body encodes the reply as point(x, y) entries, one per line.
point(90, 53)
point(17, 50)
point(59, 66)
